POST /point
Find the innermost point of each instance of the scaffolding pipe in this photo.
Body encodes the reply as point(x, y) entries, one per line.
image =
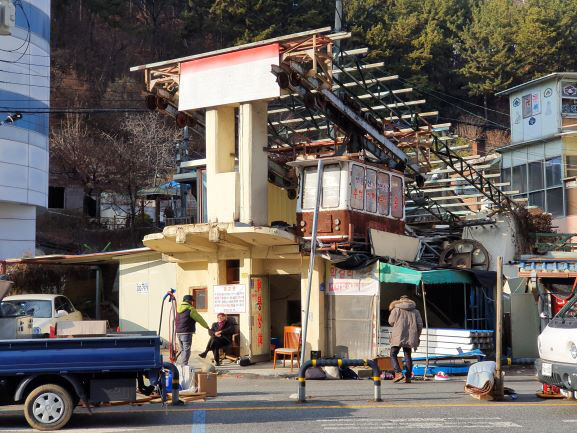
point(427, 334)
point(312, 257)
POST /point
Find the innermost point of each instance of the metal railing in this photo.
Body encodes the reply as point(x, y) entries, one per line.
point(339, 363)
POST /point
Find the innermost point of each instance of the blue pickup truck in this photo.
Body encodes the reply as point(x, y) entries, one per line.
point(51, 376)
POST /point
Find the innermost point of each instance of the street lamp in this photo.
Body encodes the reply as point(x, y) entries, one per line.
point(11, 118)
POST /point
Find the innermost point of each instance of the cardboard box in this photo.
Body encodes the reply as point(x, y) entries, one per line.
point(206, 382)
point(81, 328)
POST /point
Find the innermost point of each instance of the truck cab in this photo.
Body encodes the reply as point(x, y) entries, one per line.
point(557, 363)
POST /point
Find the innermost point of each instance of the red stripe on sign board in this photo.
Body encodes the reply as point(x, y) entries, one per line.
point(230, 59)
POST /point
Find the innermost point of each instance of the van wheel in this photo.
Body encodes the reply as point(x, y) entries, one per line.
point(48, 407)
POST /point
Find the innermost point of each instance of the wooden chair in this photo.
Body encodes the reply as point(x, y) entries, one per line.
point(292, 346)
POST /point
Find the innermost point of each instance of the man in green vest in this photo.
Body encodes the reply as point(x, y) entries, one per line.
point(186, 319)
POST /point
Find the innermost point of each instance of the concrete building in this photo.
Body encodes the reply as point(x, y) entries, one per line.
point(541, 161)
point(24, 86)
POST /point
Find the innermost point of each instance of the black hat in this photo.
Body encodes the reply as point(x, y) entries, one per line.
point(187, 298)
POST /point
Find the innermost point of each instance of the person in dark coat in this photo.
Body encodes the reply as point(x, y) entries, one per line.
point(406, 333)
point(220, 336)
point(186, 319)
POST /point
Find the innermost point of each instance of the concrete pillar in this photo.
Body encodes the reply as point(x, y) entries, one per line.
point(249, 324)
point(253, 164)
point(220, 153)
point(317, 326)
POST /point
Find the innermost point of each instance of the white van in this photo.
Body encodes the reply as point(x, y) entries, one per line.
point(45, 309)
point(557, 344)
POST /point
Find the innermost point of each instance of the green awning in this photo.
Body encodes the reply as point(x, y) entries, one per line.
point(398, 274)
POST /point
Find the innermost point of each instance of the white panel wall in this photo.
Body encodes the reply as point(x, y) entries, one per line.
point(24, 86)
point(545, 118)
point(17, 230)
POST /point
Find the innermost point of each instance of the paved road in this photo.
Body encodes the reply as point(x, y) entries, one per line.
point(262, 405)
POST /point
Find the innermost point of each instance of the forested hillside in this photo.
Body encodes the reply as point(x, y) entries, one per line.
point(462, 48)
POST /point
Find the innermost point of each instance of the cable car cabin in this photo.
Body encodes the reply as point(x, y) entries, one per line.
point(355, 197)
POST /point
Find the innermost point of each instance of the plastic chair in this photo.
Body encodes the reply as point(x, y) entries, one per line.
point(292, 346)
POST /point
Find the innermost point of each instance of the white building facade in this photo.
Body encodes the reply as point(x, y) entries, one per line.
point(25, 88)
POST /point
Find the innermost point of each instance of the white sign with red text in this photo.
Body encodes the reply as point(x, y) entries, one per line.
point(229, 299)
point(363, 282)
point(231, 78)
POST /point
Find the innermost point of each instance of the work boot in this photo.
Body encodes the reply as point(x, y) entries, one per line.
point(203, 354)
point(407, 379)
point(398, 377)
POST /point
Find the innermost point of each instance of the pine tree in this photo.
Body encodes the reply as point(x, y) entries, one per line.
point(487, 47)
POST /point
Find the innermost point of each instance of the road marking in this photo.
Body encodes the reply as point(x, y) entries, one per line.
point(366, 424)
point(494, 405)
point(199, 422)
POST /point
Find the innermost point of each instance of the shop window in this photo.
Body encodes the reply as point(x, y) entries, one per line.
point(383, 193)
point(520, 178)
point(397, 197)
point(537, 199)
point(506, 178)
point(553, 171)
point(331, 186)
point(536, 177)
point(56, 197)
point(357, 187)
point(200, 296)
point(555, 201)
point(371, 191)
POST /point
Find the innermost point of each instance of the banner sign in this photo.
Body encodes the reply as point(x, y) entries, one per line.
point(229, 299)
point(231, 78)
point(360, 282)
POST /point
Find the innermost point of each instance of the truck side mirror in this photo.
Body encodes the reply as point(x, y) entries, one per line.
point(61, 313)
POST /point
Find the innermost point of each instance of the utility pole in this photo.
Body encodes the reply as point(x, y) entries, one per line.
point(499, 329)
point(312, 258)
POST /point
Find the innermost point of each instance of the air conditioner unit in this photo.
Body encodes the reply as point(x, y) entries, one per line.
point(7, 17)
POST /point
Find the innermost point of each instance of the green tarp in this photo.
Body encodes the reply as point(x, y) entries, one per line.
point(397, 274)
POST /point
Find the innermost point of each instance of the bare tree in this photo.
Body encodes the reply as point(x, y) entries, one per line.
point(143, 155)
point(76, 151)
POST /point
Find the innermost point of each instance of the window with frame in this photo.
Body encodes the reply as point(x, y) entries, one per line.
point(397, 197)
point(309, 188)
point(331, 186)
point(383, 193)
point(357, 187)
point(571, 166)
point(520, 178)
point(569, 99)
point(371, 191)
point(506, 178)
point(200, 296)
point(553, 171)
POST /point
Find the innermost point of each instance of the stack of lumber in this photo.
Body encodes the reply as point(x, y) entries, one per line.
point(443, 341)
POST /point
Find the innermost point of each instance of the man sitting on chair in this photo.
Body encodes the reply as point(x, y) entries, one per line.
point(220, 336)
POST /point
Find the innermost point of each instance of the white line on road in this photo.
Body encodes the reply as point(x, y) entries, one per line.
point(414, 423)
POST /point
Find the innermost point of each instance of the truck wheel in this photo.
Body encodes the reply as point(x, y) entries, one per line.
point(48, 407)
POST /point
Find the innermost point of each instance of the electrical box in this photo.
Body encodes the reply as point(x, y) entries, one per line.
point(7, 17)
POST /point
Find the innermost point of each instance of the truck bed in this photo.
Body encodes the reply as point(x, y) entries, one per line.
point(79, 355)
